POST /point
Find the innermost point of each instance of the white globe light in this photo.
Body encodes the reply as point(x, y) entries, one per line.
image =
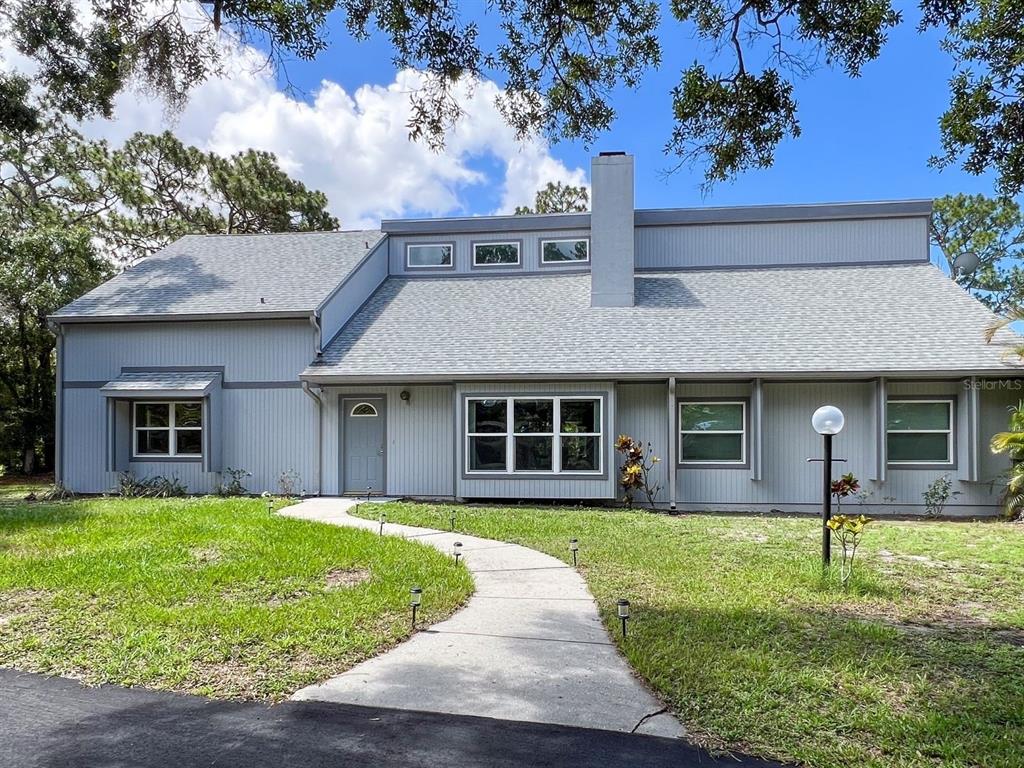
point(828, 420)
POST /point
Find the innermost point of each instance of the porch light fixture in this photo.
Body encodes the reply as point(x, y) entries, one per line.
point(574, 547)
point(623, 610)
point(827, 421)
point(457, 551)
point(415, 598)
point(382, 518)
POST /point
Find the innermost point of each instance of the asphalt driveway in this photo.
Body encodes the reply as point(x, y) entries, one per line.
point(56, 722)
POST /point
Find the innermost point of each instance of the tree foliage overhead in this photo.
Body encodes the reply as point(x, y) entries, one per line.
point(557, 197)
point(72, 208)
point(992, 229)
point(560, 62)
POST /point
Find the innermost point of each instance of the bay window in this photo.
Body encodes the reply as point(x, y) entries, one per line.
point(530, 434)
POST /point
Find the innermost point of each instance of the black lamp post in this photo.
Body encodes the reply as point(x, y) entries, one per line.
point(827, 422)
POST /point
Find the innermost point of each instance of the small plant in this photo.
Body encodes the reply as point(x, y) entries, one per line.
point(233, 486)
point(1012, 442)
point(847, 529)
point(845, 486)
point(56, 492)
point(290, 483)
point(636, 470)
point(937, 495)
point(156, 487)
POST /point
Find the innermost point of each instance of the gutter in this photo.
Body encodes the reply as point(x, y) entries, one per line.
point(58, 430)
point(180, 318)
point(319, 435)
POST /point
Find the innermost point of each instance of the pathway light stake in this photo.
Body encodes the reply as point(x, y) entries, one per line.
point(623, 606)
point(270, 501)
point(382, 518)
point(457, 551)
point(415, 598)
point(369, 488)
point(827, 421)
point(574, 547)
point(453, 519)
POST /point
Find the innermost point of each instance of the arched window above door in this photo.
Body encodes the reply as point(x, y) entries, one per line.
point(363, 409)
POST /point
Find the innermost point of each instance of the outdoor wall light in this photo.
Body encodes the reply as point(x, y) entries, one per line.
point(574, 547)
point(404, 394)
point(457, 551)
point(623, 609)
point(827, 421)
point(415, 598)
point(382, 518)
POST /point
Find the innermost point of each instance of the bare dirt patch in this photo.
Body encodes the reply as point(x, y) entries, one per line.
point(205, 555)
point(346, 578)
point(22, 603)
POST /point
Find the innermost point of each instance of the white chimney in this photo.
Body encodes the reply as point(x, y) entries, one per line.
point(611, 230)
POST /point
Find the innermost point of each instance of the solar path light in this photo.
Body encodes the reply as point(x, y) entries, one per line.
point(574, 547)
point(457, 551)
point(415, 598)
point(382, 518)
point(623, 610)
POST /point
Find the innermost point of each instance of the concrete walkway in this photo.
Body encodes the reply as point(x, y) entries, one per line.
point(528, 646)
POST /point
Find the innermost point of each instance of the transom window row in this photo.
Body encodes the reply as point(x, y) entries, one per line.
point(534, 434)
point(555, 251)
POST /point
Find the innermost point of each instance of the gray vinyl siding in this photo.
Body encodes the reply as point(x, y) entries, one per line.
point(267, 424)
point(644, 415)
point(536, 487)
point(349, 297)
point(777, 243)
point(529, 254)
point(419, 439)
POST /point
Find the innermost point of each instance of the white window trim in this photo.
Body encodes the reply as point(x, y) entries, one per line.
point(408, 253)
point(556, 436)
point(565, 240)
point(516, 263)
point(352, 413)
point(742, 432)
point(948, 432)
point(172, 440)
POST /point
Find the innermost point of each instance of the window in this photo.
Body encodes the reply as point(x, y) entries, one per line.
point(534, 434)
point(363, 409)
point(560, 251)
point(169, 429)
point(495, 254)
point(713, 432)
point(428, 255)
point(919, 431)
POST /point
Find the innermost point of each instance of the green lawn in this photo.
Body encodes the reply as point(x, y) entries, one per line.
point(209, 596)
point(920, 663)
point(17, 487)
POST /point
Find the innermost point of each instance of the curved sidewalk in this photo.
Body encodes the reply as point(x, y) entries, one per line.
point(529, 645)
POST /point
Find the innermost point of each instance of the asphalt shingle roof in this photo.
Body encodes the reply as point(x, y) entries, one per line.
point(861, 319)
point(169, 381)
point(230, 274)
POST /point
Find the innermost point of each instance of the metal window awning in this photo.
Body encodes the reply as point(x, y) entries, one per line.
point(145, 384)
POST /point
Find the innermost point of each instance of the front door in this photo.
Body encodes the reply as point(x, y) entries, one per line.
point(364, 445)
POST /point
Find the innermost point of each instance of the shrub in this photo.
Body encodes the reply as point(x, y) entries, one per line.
point(156, 487)
point(233, 485)
point(290, 483)
point(937, 495)
point(848, 529)
point(1012, 442)
point(56, 492)
point(847, 485)
point(636, 470)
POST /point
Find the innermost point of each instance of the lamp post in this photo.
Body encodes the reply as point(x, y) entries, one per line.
point(415, 597)
point(827, 422)
point(574, 547)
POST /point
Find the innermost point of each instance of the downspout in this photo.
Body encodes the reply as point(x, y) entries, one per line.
point(58, 433)
point(318, 333)
point(319, 435)
point(672, 443)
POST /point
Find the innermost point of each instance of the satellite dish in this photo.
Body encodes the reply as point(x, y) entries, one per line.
point(965, 263)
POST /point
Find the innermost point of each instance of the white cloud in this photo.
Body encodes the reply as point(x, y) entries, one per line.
point(355, 146)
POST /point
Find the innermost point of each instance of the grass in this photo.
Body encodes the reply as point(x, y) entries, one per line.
point(919, 663)
point(17, 487)
point(203, 595)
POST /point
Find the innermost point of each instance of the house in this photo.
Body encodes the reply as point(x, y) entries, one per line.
point(499, 357)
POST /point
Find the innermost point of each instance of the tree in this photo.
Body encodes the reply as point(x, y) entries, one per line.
point(557, 197)
point(992, 229)
point(71, 209)
point(561, 62)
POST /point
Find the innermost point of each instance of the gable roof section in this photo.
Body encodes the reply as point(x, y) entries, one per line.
point(229, 275)
point(870, 320)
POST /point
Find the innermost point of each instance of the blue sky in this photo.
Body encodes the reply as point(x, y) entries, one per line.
point(863, 139)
